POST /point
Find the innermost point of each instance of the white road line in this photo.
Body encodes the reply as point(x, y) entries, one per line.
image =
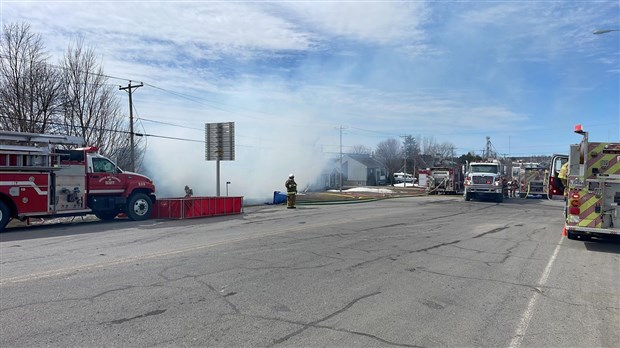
point(524, 322)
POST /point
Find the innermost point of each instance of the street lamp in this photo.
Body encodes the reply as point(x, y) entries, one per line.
point(604, 31)
point(227, 183)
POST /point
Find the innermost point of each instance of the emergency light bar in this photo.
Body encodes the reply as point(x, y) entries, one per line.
point(579, 129)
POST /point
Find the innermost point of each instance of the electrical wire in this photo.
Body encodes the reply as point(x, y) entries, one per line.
point(136, 134)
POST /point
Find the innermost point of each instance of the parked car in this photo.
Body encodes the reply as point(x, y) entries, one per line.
point(399, 178)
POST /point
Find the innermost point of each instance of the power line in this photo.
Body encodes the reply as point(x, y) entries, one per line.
point(128, 132)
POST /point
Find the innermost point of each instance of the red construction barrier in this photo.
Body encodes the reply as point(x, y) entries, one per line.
point(195, 207)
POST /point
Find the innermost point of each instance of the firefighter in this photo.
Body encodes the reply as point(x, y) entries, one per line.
point(188, 192)
point(563, 176)
point(513, 188)
point(291, 191)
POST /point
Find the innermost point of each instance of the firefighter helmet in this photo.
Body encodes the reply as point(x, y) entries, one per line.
point(291, 175)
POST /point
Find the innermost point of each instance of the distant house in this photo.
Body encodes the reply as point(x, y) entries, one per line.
point(329, 177)
point(357, 169)
point(362, 170)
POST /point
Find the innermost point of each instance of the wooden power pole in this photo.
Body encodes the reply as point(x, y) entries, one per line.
point(129, 88)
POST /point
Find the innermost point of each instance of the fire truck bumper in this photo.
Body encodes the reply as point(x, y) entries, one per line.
point(594, 230)
point(484, 190)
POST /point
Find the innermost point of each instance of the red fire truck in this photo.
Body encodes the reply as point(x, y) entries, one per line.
point(445, 180)
point(38, 178)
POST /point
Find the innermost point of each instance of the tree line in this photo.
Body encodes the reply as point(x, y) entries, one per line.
point(414, 153)
point(71, 96)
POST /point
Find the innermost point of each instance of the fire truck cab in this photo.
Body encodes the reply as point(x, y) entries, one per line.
point(484, 179)
point(38, 179)
point(593, 202)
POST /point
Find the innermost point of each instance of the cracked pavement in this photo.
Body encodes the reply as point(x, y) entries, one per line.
point(414, 272)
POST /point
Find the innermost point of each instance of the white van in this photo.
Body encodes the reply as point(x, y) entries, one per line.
point(399, 178)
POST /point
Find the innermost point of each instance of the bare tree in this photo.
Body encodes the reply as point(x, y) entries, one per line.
point(434, 153)
point(389, 153)
point(29, 86)
point(92, 109)
point(360, 150)
point(445, 151)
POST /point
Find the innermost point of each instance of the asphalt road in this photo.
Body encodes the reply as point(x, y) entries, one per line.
point(411, 272)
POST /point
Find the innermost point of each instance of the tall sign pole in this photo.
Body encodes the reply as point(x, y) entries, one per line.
point(219, 146)
point(217, 177)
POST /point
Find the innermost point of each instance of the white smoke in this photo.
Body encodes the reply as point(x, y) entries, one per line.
point(257, 171)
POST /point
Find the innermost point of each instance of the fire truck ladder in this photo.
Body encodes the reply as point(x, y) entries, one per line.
point(30, 151)
point(51, 139)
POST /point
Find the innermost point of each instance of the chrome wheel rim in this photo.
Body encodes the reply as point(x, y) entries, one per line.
point(140, 207)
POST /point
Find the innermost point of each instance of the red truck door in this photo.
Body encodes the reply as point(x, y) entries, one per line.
point(555, 186)
point(104, 178)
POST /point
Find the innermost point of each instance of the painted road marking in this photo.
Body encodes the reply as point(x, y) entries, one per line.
point(524, 322)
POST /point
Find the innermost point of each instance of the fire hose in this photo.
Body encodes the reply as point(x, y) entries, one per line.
point(429, 191)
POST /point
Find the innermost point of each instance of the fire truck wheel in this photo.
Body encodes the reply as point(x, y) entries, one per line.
point(4, 216)
point(139, 207)
point(106, 215)
point(571, 235)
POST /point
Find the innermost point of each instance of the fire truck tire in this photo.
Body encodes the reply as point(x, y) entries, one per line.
point(571, 235)
point(4, 215)
point(139, 207)
point(106, 215)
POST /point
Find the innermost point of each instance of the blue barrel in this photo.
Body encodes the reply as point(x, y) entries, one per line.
point(279, 197)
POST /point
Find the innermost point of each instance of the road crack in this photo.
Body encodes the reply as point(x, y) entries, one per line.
point(148, 314)
point(316, 322)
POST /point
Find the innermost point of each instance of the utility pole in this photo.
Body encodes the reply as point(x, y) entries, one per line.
point(340, 159)
point(509, 146)
point(405, 167)
point(129, 88)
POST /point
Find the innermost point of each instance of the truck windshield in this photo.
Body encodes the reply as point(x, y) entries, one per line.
point(484, 169)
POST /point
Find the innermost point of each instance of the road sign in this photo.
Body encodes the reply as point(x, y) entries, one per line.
point(220, 141)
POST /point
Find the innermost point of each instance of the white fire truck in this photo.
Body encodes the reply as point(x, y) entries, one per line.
point(484, 179)
point(445, 180)
point(593, 204)
point(39, 179)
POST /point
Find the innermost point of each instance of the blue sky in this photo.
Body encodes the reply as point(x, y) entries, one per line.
point(290, 73)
